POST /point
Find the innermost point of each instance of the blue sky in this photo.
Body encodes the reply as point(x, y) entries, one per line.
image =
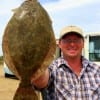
point(83, 13)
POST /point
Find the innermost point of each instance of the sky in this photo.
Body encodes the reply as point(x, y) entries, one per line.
point(82, 13)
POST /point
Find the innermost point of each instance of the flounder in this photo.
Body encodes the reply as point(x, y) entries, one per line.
point(28, 45)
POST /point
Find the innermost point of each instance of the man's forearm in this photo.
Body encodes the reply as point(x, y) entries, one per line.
point(41, 81)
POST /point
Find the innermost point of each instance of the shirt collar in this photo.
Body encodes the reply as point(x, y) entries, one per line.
point(85, 62)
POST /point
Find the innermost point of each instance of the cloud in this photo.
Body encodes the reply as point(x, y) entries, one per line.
point(6, 6)
point(66, 4)
point(74, 12)
point(84, 13)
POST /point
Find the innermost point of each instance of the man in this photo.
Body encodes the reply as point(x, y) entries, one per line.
point(71, 76)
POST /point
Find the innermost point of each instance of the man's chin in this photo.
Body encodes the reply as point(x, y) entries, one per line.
point(72, 56)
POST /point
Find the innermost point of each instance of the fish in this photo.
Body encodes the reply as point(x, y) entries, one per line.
point(28, 45)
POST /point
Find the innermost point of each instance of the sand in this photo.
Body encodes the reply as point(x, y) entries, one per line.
point(8, 86)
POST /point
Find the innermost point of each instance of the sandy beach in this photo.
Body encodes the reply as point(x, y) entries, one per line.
point(8, 86)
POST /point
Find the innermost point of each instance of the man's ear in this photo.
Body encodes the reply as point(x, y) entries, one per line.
point(83, 44)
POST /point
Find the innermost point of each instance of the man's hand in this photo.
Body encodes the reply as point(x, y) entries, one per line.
point(41, 81)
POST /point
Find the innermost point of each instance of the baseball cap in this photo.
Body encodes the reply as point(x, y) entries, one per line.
point(68, 29)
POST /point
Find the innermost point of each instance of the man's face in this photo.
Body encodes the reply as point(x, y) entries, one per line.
point(71, 45)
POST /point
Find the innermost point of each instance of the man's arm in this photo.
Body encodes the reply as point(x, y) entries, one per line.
point(41, 81)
